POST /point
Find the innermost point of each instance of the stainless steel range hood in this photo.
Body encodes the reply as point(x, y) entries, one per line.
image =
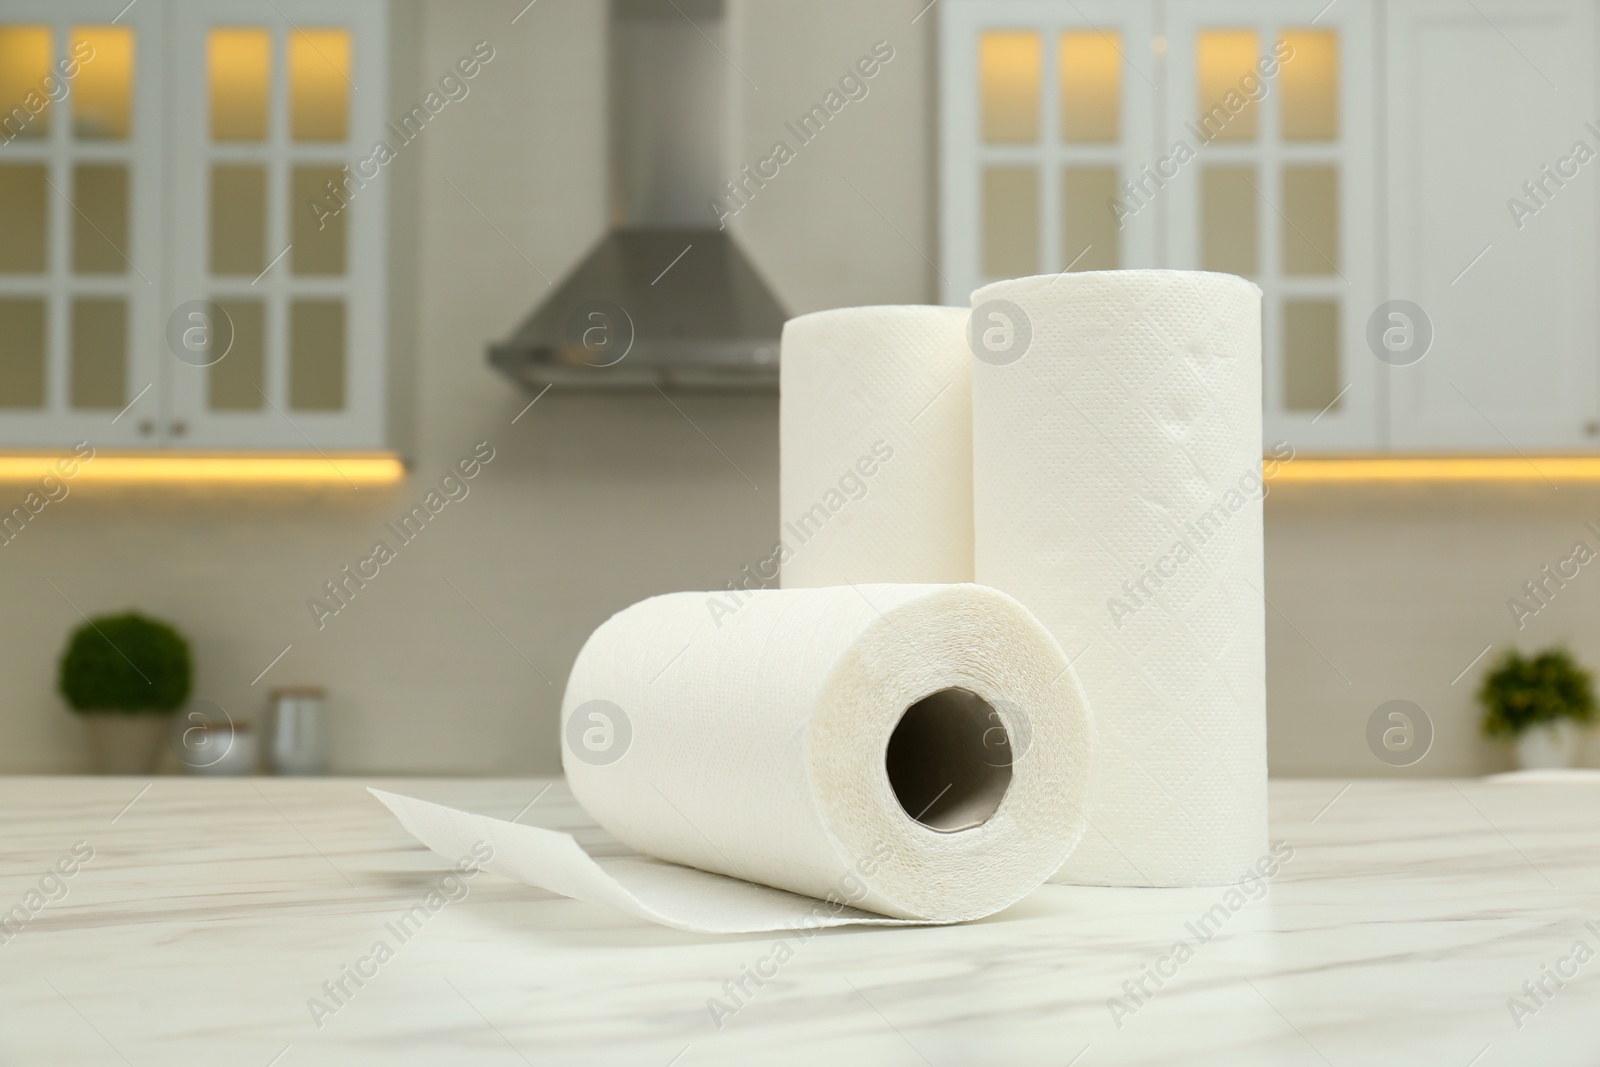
point(665, 298)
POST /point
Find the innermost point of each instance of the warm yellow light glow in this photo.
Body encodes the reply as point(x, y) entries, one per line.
point(319, 72)
point(103, 92)
point(240, 62)
point(24, 96)
point(1225, 61)
point(238, 468)
point(1010, 67)
point(1556, 469)
point(1091, 86)
point(1310, 85)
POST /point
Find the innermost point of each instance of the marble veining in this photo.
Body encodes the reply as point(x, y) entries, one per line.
point(239, 921)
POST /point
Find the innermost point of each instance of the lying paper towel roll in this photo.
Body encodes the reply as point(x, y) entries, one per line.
point(872, 754)
point(930, 733)
point(875, 447)
point(1117, 464)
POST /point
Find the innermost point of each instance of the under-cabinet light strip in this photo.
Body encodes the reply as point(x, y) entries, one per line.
point(1556, 469)
point(260, 468)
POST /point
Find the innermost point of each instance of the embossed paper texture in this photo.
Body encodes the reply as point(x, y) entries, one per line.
point(1118, 494)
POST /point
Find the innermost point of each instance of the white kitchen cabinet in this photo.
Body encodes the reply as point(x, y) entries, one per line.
point(270, 229)
point(1486, 98)
point(1046, 108)
point(208, 275)
point(80, 222)
point(1376, 158)
point(1278, 113)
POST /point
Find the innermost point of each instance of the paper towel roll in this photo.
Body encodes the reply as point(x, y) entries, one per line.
point(875, 447)
point(881, 754)
point(1117, 465)
point(816, 727)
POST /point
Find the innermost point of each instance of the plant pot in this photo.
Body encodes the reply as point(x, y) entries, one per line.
point(1548, 746)
point(125, 743)
point(232, 754)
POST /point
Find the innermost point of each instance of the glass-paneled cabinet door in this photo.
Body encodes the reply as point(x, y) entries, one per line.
point(279, 216)
point(1047, 125)
point(80, 236)
point(1271, 112)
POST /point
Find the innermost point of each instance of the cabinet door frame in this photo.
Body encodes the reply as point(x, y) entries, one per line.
point(276, 424)
point(1434, 404)
point(57, 424)
point(1354, 423)
point(963, 153)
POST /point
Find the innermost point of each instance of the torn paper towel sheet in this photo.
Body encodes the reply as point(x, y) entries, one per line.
point(1117, 465)
point(918, 753)
point(875, 448)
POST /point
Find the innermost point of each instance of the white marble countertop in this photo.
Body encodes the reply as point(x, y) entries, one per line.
point(1408, 916)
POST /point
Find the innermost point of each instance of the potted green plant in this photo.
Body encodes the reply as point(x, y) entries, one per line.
point(125, 674)
point(1539, 703)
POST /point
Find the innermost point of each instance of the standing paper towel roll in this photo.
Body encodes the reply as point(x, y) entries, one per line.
point(1117, 462)
point(875, 446)
point(887, 753)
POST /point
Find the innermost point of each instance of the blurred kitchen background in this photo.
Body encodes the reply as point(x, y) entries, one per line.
point(1383, 157)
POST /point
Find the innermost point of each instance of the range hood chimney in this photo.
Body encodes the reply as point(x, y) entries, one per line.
point(665, 298)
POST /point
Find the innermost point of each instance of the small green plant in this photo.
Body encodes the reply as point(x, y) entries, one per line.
point(1524, 692)
point(126, 663)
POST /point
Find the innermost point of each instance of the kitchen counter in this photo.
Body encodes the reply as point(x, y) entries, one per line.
point(201, 917)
